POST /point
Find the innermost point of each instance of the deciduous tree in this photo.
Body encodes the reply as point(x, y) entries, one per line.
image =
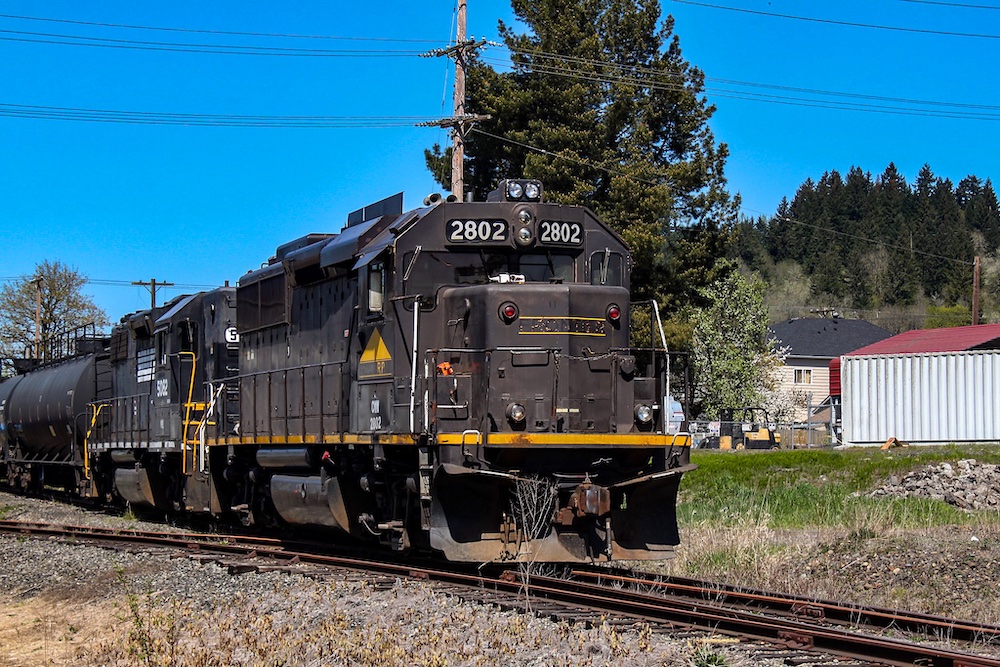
point(64, 306)
point(733, 355)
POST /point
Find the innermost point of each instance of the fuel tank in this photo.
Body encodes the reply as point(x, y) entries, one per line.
point(46, 411)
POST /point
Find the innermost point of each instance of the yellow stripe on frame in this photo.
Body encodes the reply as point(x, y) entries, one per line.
point(309, 439)
point(612, 440)
point(572, 439)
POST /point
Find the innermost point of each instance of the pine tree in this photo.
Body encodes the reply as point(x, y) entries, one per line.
point(602, 107)
point(979, 206)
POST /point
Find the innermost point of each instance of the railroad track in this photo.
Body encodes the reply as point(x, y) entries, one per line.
point(803, 629)
point(922, 626)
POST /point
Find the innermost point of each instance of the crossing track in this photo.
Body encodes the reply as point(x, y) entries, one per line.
point(675, 605)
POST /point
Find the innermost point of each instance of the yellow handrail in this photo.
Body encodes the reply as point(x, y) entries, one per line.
point(86, 439)
point(187, 411)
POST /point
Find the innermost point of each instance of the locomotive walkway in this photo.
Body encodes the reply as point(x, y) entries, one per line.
point(803, 630)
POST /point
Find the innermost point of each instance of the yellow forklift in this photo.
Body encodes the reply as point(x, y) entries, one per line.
point(747, 428)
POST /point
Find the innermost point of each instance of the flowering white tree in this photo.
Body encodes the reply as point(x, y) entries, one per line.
point(735, 359)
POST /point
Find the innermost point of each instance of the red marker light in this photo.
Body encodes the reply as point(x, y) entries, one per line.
point(614, 313)
point(508, 312)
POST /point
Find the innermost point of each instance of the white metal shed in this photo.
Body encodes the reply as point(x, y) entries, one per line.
point(921, 398)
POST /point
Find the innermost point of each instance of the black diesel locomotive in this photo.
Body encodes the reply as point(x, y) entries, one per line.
point(455, 378)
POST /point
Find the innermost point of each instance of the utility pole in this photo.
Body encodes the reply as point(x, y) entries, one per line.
point(38, 317)
point(975, 290)
point(461, 122)
point(458, 134)
point(153, 285)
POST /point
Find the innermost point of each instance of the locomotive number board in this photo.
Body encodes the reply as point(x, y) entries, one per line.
point(478, 231)
point(550, 232)
point(556, 232)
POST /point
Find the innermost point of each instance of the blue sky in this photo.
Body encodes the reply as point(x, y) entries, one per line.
point(198, 205)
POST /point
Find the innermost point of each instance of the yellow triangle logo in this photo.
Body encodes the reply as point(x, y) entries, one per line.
point(375, 350)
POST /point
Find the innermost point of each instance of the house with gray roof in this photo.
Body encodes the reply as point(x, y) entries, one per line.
point(810, 344)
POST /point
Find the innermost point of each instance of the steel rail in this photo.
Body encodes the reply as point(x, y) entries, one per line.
point(800, 606)
point(698, 614)
point(674, 613)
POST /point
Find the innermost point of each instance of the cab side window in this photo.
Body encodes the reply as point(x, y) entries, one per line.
point(161, 348)
point(187, 336)
point(376, 289)
point(606, 268)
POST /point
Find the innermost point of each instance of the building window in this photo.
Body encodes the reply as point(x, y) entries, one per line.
point(803, 376)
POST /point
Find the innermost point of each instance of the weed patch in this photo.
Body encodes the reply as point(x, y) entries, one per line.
point(818, 487)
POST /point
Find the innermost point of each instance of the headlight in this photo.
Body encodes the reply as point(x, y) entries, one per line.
point(514, 190)
point(532, 190)
point(524, 216)
point(643, 414)
point(524, 236)
point(515, 413)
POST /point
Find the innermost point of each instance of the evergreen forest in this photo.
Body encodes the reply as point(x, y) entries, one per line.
point(895, 253)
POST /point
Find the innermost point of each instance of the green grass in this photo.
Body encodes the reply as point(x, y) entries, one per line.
point(819, 487)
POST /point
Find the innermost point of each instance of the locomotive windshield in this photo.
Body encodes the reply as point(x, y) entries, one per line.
point(432, 270)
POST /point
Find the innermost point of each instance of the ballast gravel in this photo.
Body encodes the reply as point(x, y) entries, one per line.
point(77, 604)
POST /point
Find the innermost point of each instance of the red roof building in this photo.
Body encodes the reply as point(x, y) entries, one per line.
point(925, 341)
point(927, 386)
point(949, 339)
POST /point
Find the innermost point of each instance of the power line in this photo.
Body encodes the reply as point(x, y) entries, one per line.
point(958, 110)
point(719, 92)
point(114, 283)
point(857, 237)
point(633, 71)
point(568, 158)
point(963, 5)
point(223, 49)
point(208, 120)
point(851, 24)
point(725, 93)
point(153, 285)
point(784, 218)
point(218, 32)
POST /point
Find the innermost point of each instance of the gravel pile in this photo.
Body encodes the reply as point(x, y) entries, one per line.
point(65, 604)
point(968, 484)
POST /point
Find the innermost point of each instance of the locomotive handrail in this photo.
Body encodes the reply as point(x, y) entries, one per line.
point(471, 431)
point(413, 360)
point(187, 410)
point(117, 402)
point(96, 408)
point(202, 426)
point(322, 364)
point(238, 379)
